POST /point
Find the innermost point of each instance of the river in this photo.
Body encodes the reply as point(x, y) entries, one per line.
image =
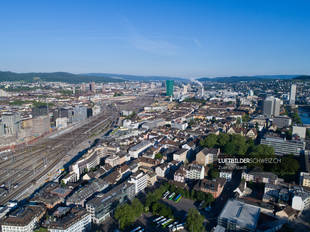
point(304, 114)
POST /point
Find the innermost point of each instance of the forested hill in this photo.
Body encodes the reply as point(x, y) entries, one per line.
point(54, 77)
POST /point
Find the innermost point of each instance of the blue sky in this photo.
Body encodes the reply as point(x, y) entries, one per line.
point(174, 38)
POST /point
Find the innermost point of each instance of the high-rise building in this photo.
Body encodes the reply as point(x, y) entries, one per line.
point(277, 106)
point(169, 87)
point(83, 87)
point(272, 106)
point(293, 94)
point(92, 87)
point(185, 88)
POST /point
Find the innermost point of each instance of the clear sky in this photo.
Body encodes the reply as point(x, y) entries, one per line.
point(175, 38)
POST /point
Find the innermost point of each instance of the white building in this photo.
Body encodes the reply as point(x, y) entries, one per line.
point(78, 220)
point(300, 131)
point(301, 200)
point(139, 179)
point(272, 106)
point(195, 172)
point(226, 174)
point(293, 94)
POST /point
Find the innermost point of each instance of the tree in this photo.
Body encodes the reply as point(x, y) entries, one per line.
point(222, 140)
point(137, 207)
point(124, 215)
point(229, 148)
point(288, 166)
point(162, 209)
point(210, 141)
point(194, 221)
point(158, 156)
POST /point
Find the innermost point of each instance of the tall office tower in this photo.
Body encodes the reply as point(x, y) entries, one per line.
point(185, 87)
point(73, 90)
point(272, 106)
point(169, 87)
point(268, 106)
point(92, 87)
point(293, 94)
point(202, 91)
point(277, 106)
point(83, 87)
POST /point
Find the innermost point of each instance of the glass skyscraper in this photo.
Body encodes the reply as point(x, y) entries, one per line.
point(169, 87)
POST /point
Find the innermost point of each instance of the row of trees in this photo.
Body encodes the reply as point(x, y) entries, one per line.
point(230, 144)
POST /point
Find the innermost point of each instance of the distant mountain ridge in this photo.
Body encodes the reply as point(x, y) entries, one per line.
point(79, 78)
point(53, 77)
point(303, 77)
point(110, 77)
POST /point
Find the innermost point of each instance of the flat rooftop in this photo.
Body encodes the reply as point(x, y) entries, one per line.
point(241, 213)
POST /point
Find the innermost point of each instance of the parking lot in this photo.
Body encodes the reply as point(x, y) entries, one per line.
point(146, 222)
point(181, 208)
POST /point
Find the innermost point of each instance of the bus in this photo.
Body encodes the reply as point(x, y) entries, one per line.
point(158, 218)
point(136, 229)
point(166, 223)
point(160, 221)
point(166, 194)
point(177, 198)
point(171, 196)
point(163, 222)
point(172, 225)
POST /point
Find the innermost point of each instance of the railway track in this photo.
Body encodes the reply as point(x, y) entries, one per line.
point(28, 172)
point(54, 150)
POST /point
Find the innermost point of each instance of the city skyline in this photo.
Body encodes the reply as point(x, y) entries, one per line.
point(187, 39)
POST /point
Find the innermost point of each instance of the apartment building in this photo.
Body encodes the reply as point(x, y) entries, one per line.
point(207, 156)
point(22, 219)
point(282, 146)
point(66, 219)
